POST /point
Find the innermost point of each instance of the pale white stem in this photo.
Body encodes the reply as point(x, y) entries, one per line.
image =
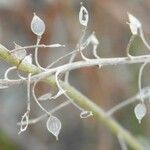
point(28, 92)
point(140, 78)
point(68, 72)
point(122, 142)
point(143, 38)
point(129, 45)
point(36, 100)
point(59, 59)
point(93, 62)
point(24, 127)
point(95, 52)
point(64, 92)
point(73, 54)
point(82, 64)
point(71, 60)
point(5, 82)
point(20, 76)
point(35, 46)
point(59, 93)
point(36, 53)
point(145, 93)
point(7, 71)
point(84, 57)
point(35, 120)
point(57, 82)
point(27, 113)
point(81, 44)
point(79, 48)
point(121, 105)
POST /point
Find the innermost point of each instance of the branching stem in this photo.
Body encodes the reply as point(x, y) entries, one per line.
point(75, 95)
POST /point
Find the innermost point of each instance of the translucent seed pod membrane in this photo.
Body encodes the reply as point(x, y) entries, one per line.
point(86, 114)
point(54, 126)
point(134, 24)
point(21, 53)
point(83, 16)
point(37, 25)
point(140, 111)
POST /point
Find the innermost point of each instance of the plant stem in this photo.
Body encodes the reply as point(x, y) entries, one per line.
point(78, 98)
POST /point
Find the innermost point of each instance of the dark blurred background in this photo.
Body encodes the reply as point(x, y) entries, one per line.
point(106, 86)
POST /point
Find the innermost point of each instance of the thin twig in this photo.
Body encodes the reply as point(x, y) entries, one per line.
point(7, 71)
point(80, 48)
point(79, 98)
point(64, 92)
point(36, 100)
point(68, 72)
point(121, 105)
point(34, 46)
point(93, 62)
point(140, 78)
point(80, 43)
point(144, 93)
point(54, 110)
point(27, 113)
point(28, 92)
point(75, 65)
point(36, 53)
point(129, 45)
point(143, 38)
point(56, 61)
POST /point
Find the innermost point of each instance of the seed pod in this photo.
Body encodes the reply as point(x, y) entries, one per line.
point(85, 114)
point(19, 53)
point(140, 111)
point(134, 24)
point(25, 118)
point(83, 16)
point(37, 25)
point(54, 126)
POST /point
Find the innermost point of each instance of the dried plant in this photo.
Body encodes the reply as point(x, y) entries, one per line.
point(35, 72)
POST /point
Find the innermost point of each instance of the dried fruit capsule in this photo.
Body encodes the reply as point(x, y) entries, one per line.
point(37, 25)
point(134, 24)
point(140, 111)
point(19, 53)
point(85, 114)
point(83, 16)
point(54, 126)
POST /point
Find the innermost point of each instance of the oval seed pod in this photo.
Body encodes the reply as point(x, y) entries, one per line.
point(134, 24)
point(86, 114)
point(54, 126)
point(140, 111)
point(25, 118)
point(83, 16)
point(19, 53)
point(37, 25)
